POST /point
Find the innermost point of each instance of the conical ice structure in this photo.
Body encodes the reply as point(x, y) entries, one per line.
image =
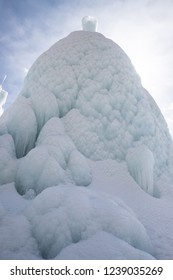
point(88, 84)
point(82, 102)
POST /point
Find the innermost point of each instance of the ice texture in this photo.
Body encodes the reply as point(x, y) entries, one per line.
point(61, 216)
point(20, 122)
point(53, 161)
point(83, 106)
point(108, 246)
point(140, 162)
point(3, 98)
point(89, 23)
point(88, 83)
point(99, 97)
point(16, 241)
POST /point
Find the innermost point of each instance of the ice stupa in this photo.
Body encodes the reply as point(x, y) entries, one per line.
point(82, 102)
point(83, 99)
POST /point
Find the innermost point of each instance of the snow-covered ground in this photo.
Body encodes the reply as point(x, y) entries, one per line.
point(86, 159)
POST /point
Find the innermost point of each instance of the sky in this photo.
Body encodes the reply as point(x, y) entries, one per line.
point(143, 28)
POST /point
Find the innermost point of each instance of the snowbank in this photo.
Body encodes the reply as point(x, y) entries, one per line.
point(102, 246)
point(61, 216)
point(16, 241)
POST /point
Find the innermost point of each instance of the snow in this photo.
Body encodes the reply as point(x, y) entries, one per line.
point(63, 215)
point(86, 159)
point(108, 247)
point(16, 241)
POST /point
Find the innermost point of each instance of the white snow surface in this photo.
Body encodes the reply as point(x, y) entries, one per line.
point(108, 247)
point(86, 160)
point(61, 216)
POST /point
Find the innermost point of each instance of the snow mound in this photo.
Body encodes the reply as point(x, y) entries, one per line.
point(109, 247)
point(89, 23)
point(22, 245)
point(61, 216)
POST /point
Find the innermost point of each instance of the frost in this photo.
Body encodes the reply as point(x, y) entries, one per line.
point(61, 216)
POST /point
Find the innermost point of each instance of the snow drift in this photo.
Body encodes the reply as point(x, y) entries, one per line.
point(61, 216)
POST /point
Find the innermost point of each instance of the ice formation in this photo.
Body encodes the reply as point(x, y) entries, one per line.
point(3, 98)
point(53, 161)
point(87, 84)
point(61, 216)
point(140, 164)
point(16, 241)
point(89, 23)
point(82, 102)
point(108, 247)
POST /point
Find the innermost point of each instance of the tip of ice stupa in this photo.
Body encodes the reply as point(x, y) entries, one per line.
point(89, 23)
